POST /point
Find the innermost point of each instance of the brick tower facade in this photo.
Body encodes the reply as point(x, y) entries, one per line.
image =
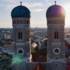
point(21, 30)
point(56, 48)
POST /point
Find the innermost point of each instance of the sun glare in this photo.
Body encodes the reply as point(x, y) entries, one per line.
point(67, 10)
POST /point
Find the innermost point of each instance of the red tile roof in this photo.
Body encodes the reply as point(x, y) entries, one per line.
point(67, 55)
point(7, 43)
point(67, 67)
point(38, 67)
point(35, 56)
point(37, 59)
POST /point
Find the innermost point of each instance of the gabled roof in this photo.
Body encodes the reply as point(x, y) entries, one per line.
point(38, 67)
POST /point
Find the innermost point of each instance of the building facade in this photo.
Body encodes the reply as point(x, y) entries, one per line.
point(21, 34)
point(56, 47)
point(21, 30)
point(55, 50)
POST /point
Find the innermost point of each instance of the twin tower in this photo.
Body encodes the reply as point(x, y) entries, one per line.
point(21, 33)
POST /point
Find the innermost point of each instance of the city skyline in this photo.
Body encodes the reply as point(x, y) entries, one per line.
point(37, 8)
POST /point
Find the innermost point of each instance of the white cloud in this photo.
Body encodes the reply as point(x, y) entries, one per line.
point(10, 0)
point(46, 0)
point(49, 3)
point(38, 10)
point(1, 4)
point(33, 4)
point(29, 5)
point(9, 7)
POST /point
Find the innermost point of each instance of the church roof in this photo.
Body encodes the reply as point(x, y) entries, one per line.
point(20, 11)
point(55, 11)
point(38, 67)
point(37, 54)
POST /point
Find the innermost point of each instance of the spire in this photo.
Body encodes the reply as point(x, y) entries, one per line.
point(20, 3)
point(55, 2)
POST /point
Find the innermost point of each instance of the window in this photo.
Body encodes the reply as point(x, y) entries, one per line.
point(55, 21)
point(56, 50)
point(58, 21)
point(24, 21)
point(21, 21)
point(56, 35)
point(20, 51)
point(27, 21)
point(56, 64)
point(51, 21)
point(62, 22)
point(14, 22)
point(20, 35)
point(17, 21)
point(56, 58)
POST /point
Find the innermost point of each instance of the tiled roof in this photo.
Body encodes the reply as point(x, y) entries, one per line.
point(38, 67)
point(67, 67)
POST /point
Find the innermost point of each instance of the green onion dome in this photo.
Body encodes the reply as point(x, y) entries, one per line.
point(20, 11)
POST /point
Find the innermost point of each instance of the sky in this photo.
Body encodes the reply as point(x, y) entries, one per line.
point(37, 8)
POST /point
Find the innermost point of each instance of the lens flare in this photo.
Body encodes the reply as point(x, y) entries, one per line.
point(67, 20)
point(16, 59)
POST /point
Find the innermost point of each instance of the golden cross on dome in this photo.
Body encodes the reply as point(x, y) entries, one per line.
point(20, 2)
point(55, 2)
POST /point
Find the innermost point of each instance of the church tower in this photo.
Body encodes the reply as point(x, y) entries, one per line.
point(21, 30)
point(56, 49)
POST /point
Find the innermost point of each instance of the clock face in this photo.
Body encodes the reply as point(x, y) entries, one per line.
point(20, 51)
point(56, 51)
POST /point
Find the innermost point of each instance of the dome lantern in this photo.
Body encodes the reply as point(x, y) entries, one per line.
point(55, 2)
point(20, 3)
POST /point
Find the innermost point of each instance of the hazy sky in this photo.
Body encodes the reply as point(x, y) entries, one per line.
point(38, 11)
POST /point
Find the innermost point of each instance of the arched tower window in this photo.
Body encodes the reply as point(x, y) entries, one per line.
point(20, 35)
point(56, 35)
point(21, 21)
